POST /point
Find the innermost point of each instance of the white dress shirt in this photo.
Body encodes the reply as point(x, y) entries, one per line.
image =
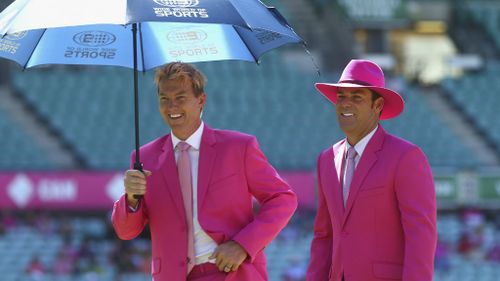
point(359, 147)
point(204, 245)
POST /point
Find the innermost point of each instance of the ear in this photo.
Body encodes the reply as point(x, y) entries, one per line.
point(202, 100)
point(378, 104)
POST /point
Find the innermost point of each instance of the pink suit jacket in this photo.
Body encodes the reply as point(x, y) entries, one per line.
point(232, 170)
point(388, 228)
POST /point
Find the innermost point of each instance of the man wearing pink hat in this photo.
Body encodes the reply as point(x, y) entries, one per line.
point(376, 217)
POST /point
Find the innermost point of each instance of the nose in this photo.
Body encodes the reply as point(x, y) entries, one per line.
point(169, 104)
point(344, 103)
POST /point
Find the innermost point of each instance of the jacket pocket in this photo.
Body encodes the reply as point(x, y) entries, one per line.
point(392, 271)
point(224, 182)
point(371, 191)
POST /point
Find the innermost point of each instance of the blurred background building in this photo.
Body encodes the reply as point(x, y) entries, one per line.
point(66, 134)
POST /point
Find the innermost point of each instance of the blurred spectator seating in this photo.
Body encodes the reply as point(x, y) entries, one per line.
point(476, 95)
point(78, 247)
point(92, 108)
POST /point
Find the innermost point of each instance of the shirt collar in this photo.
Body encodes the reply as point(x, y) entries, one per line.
point(361, 145)
point(194, 140)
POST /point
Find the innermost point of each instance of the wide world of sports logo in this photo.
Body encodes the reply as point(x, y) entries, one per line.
point(178, 3)
point(187, 36)
point(10, 43)
point(16, 36)
point(94, 38)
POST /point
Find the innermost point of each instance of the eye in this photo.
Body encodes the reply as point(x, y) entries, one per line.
point(164, 100)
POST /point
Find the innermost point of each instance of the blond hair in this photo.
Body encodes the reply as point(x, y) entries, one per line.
point(176, 70)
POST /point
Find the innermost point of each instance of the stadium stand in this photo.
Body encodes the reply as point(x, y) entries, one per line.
point(487, 13)
point(93, 110)
point(18, 150)
point(473, 92)
point(73, 247)
point(420, 125)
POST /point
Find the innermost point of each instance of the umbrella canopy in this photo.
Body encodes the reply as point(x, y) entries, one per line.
point(157, 43)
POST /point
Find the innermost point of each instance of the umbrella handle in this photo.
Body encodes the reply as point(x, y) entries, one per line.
point(137, 163)
point(138, 166)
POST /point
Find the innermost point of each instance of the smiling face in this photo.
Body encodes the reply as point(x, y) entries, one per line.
point(180, 107)
point(357, 112)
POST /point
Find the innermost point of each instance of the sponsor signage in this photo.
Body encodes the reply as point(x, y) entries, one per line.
point(10, 43)
point(178, 3)
point(92, 44)
point(96, 191)
point(379, 10)
point(489, 188)
point(266, 37)
point(179, 9)
point(193, 36)
point(76, 190)
point(190, 42)
point(94, 38)
point(446, 188)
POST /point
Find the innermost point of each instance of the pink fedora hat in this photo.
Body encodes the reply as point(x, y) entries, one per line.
point(365, 74)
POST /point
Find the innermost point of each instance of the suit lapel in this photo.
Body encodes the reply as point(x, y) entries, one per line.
point(368, 159)
point(330, 178)
point(338, 151)
point(205, 163)
point(168, 169)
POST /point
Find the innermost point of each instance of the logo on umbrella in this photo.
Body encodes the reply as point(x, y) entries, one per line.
point(16, 36)
point(187, 36)
point(94, 38)
point(9, 45)
point(178, 3)
point(266, 37)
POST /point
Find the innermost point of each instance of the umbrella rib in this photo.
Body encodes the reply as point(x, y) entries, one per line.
point(246, 45)
point(241, 15)
point(39, 39)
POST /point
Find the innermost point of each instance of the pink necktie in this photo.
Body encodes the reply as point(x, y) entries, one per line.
point(349, 172)
point(184, 169)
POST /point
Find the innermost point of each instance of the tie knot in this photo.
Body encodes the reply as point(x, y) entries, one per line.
point(351, 153)
point(183, 146)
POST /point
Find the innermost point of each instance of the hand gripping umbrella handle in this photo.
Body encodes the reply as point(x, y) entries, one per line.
point(138, 166)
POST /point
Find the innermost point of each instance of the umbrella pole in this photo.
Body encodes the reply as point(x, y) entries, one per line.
point(137, 163)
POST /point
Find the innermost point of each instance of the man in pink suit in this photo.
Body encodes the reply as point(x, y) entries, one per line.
point(376, 217)
point(207, 231)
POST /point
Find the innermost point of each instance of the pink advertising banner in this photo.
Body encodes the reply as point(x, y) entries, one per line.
point(97, 190)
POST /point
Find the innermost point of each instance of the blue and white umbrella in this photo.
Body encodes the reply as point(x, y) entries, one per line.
point(157, 43)
point(139, 34)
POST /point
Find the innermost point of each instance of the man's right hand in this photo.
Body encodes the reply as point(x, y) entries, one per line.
point(135, 183)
